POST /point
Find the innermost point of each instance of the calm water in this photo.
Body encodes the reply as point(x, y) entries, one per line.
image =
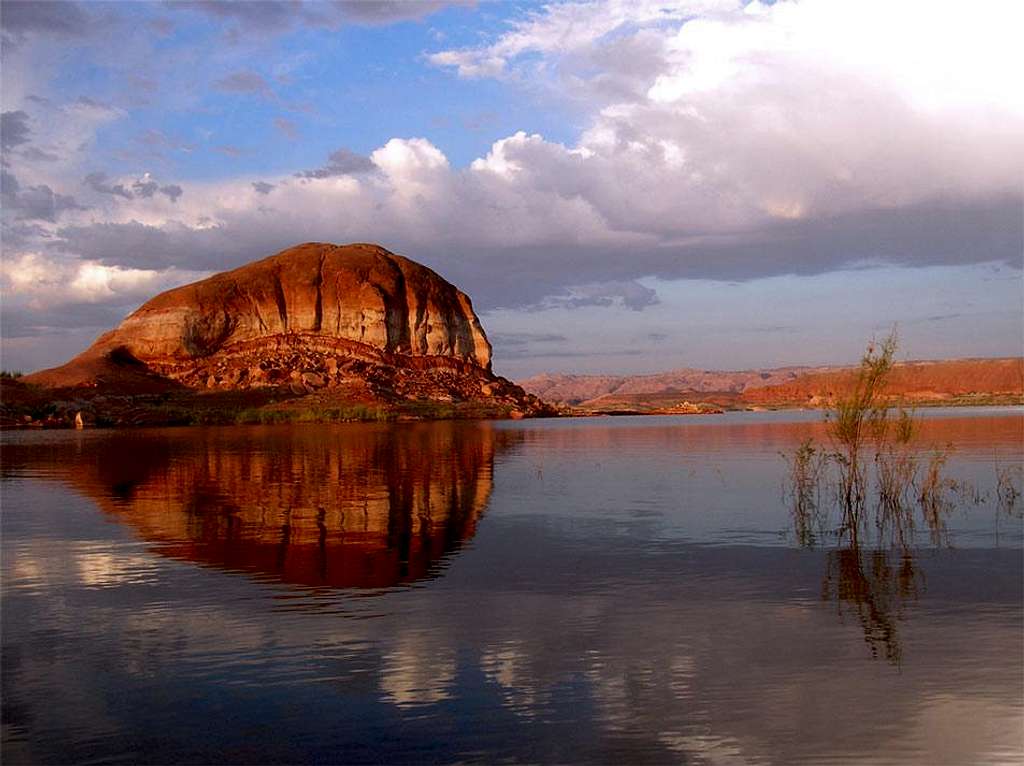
point(619, 590)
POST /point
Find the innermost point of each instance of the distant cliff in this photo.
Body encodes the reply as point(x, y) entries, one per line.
point(951, 381)
point(957, 381)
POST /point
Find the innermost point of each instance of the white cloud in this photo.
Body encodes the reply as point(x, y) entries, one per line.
point(41, 281)
point(565, 29)
point(771, 112)
point(413, 162)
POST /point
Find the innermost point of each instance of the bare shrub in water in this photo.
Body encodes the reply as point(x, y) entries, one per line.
point(1008, 492)
point(896, 468)
point(806, 470)
point(864, 431)
point(857, 417)
point(935, 494)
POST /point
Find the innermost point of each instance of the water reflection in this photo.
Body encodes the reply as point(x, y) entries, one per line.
point(359, 507)
point(631, 602)
point(874, 585)
point(871, 572)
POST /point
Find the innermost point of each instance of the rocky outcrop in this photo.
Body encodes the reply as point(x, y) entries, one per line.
point(356, 320)
point(359, 294)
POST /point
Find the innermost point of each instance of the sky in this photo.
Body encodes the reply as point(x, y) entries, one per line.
point(621, 186)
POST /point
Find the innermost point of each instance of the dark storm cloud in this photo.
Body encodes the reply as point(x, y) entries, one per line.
point(14, 129)
point(923, 235)
point(262, 187)
point(39, 203)
point(527, 354)
point(18, 235)
point(341, 162)
point(507, 340)
point(274, 16)
point(244, 82)
point(140, 246)
point(632, 295)
point(145, 188)
point(265, 16)
point(522, 345)
point(52, 17)
point(98, 183)
point(42, 203)
point(172, 191)
point(27, 322)
point(34, 154)
point(938, 233)
point(941, 232)
point(91, 102)
point(374, 12)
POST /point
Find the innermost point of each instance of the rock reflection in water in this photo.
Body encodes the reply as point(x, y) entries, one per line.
point(350, 507)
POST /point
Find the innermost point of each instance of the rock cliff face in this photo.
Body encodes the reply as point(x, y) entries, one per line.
point(358, 293)
point(354, 321)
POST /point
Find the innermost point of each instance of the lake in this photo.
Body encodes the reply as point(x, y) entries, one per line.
point(620, 590)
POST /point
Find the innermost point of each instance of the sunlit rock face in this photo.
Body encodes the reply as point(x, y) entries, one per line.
point(358, 506)
point(309, 310)
point(359, 293)
point(348, 326)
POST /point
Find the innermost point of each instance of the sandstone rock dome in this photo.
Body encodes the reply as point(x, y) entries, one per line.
point(360, 293)
point(350, 296)
point(317, 325)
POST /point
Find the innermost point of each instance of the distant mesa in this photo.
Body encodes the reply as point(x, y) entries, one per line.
point(350, 323)
point(946, 382)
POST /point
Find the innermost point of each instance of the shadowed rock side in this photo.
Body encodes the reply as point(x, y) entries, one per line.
point(354, 507)
point(355, 322)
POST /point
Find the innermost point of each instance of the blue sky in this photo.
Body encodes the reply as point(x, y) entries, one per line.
point(620, 186)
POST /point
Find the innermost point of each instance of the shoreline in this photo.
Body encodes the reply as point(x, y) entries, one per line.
point(161, 411)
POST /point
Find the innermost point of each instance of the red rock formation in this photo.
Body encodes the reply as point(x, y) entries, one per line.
point(952, 380)
point(577, 389)
point(949, 381)
point(357, 293)
point(355, 323)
